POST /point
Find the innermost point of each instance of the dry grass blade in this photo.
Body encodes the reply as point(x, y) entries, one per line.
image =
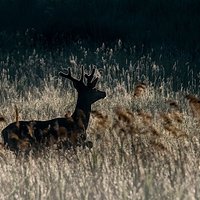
point(142, 149)
point(124, 115)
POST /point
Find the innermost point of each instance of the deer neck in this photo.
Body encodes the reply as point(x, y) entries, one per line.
point(82, 112)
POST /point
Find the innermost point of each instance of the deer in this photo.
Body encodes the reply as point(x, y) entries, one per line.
point(70, 131)
point(194, 103)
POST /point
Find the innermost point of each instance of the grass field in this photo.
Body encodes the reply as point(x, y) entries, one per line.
point(145, 146)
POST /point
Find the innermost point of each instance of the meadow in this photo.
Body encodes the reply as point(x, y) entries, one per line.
point(146, 143)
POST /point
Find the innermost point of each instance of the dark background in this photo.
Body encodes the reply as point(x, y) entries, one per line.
point(151, 22)
point(170, 27)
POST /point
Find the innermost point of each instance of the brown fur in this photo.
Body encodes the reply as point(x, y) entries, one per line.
point(194, 104)
point(2, 119)
point(139, 89)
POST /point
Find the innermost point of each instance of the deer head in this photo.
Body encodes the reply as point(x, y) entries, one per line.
point(88, 94)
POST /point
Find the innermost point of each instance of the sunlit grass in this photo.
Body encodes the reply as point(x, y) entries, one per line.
point(146, 146)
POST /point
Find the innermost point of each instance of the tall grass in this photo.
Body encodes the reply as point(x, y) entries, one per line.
point(145, 146)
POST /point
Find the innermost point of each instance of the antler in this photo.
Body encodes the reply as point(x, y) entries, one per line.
point(90, 82)
point(68, 75)
point(77, 83)
point(89, 78)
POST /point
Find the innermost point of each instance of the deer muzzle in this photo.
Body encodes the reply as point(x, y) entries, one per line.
point(102, 94)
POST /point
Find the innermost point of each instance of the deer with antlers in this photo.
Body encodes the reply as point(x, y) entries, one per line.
point(70, 130)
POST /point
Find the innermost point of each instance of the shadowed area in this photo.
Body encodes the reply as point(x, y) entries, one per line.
point(150, 22)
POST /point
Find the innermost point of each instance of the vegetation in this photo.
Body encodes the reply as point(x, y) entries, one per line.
point(146, 135)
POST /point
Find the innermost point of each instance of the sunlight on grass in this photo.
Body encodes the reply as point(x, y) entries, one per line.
point(146, 143)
